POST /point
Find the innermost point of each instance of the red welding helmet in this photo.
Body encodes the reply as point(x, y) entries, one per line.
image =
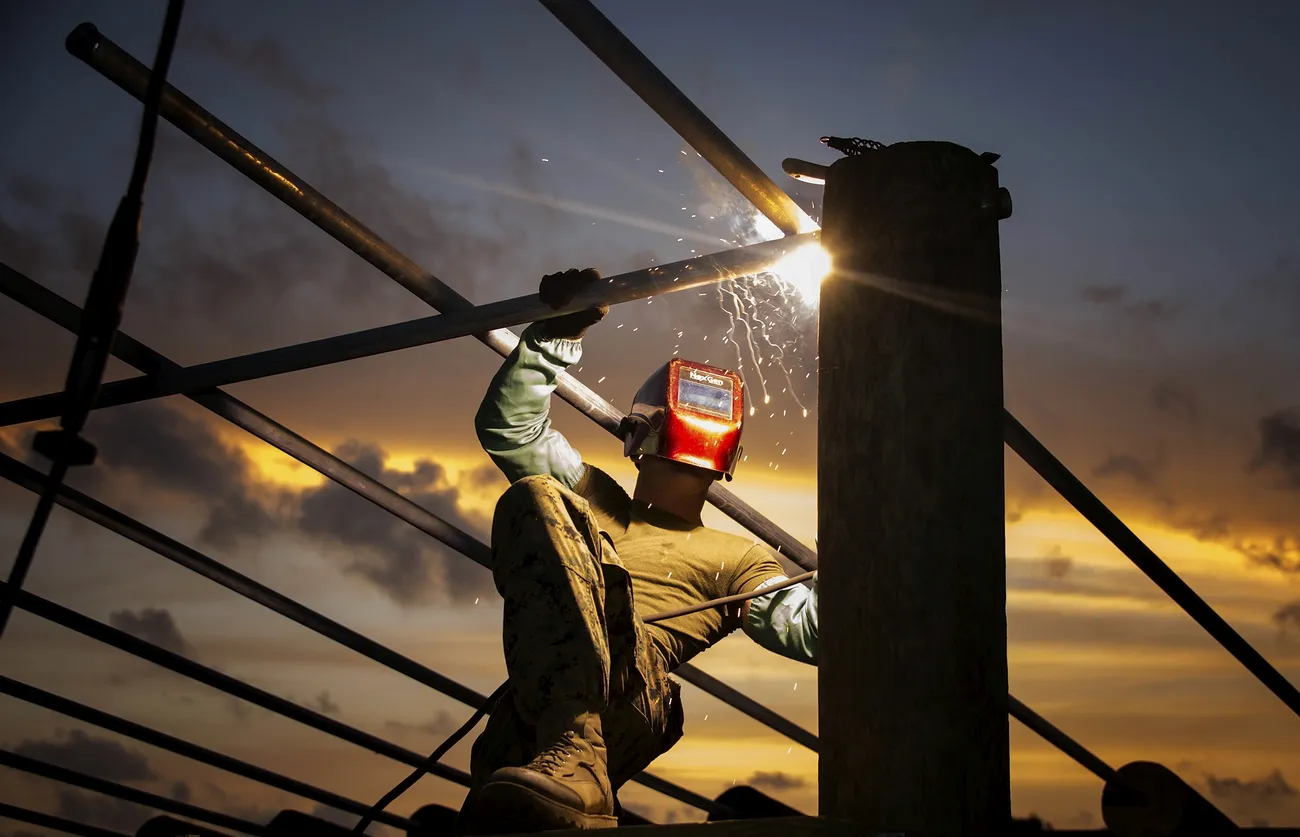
point(690, 413)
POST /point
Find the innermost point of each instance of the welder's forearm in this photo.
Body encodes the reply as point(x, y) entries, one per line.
point(785, 622)
point(513, 421)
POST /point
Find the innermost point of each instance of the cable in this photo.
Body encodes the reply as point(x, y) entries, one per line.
point(490, 704)
point(65, 446)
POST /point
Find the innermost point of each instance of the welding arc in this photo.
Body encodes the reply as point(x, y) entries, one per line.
point(103, 314)
point(493, 699)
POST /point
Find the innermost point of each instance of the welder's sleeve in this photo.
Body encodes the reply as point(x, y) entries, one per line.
point(785, 621)
point(513, 421)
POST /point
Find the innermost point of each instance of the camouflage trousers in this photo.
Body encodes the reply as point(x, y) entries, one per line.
point(571, 637)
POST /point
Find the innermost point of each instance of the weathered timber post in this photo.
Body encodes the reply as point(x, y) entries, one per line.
point(913, 666)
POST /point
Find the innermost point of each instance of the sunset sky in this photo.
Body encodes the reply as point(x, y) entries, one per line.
point(1150, 318)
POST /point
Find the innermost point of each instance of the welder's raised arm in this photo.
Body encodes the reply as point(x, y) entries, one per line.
point(513, 421)
point(785, 622)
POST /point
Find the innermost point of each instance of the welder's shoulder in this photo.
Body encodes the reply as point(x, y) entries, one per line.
point(607, 499)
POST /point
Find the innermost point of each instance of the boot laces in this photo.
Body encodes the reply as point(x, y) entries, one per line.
point(554, 757)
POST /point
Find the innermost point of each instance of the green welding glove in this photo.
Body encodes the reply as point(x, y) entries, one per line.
point(557, 290)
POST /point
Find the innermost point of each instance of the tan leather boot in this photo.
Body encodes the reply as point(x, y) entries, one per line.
point(565, 786)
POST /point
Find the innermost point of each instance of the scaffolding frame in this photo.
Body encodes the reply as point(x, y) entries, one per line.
point(488, 324)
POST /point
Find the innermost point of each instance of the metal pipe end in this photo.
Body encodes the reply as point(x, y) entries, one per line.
point(83, 41)
point(804, 170)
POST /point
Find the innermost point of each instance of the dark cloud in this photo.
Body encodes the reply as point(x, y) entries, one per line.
point(178, 453)
point(104, 811)
point(775, 780)
point(1281, 553)
point(394, 556)
point(181, 792)
point(441, 725)
point(1057, 564)
point(154, 625)
point(1279, 446)
point(1175, 401)
point(1142, 472)
point(1249, 796)
point(267, 61)
point(324, 705)
point(102, 757)
point(1287, 618)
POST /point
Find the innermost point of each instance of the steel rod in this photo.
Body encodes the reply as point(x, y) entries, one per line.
point(121, 726)
point(1038, 457)
point(64, 313)
point(49, 304)
point(640, 284)
point(123, 641)
point(1049, 733)
point(36, 767)
point(54, 823)
point(115, 64)
point(639, 73)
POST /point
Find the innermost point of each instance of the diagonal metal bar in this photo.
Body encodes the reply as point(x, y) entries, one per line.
point(54, 823)
point(62, 312)
point(49, 304)
point(186, 667)
point(139, 732)
point(88, 44)
point(639, 73)
point(640, 284)
point(36, 767)
point(115, 521)
point(713, 686)
point(1081, 754)
point(1038, 457)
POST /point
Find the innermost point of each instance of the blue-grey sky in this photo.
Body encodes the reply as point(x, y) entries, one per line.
point(1152, 304)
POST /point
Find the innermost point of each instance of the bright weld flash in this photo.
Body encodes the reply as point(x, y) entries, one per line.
point(804, 270)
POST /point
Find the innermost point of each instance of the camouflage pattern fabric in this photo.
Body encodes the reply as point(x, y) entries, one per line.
point(571, 636)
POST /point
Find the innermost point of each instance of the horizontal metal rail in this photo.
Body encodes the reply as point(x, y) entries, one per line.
point(139, 732)
point(66, 314)
point(54, 823)
point(1038, 457)
point(36, 767)
point(638, 72)
point(640, 284)
point(115, 64)
point(113, 520)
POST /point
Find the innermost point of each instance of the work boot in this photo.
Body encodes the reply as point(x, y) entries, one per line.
point(565, 786)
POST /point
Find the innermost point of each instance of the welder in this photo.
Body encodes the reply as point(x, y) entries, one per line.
point(579, 563)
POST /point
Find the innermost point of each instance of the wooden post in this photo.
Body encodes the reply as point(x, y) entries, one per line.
point(913, 665)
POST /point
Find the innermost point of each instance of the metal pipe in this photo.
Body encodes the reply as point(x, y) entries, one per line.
point(626, 287)
point(1095, 511)
point(115, 64)
point(747, 705)
point(115, 521)
point(51, 305)
point(123, 641)
point(608, 44)
point(162, 740)
point(36, 767)
point(55, 308)
point(54, 823)
point(1081, 754)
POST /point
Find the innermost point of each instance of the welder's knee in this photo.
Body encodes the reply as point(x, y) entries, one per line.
point(528, 495)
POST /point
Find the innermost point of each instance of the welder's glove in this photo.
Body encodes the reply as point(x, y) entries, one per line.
point(556, 290)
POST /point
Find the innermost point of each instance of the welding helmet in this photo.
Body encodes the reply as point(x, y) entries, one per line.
point(690, 413)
